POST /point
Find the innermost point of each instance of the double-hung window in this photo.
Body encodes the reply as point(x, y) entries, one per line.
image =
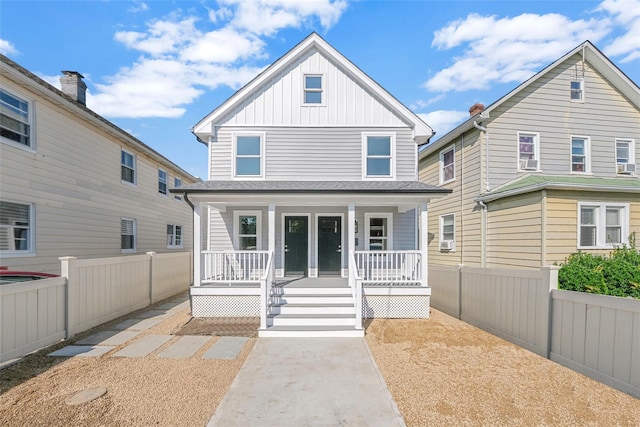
point(577, 90)
point(177, 182)
point(15, 120)
point(313, 89)
point(162, 182)
point(379, 231)
point(447, 232)
point(602, 225)
point(16, 228)
point(249, 156)
point(128, 167)
point(580, 154)
point(447, 165)
point(528, 151)
point(248, 226)
point(625, 156)
point(174, 236)
point(378, 153)
point(127, 235)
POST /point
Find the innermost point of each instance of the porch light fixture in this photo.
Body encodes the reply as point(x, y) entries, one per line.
point(356, 225)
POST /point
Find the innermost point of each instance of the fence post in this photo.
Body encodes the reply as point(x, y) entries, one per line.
point(68, 270)
point(550, 282)
point(151, 278)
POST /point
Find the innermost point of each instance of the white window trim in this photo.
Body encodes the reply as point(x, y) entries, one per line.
point(392, 166)
point(442, 165)
point(135, 236)
point(322, 90)
point(166, 183)
point(181, 245)
point(32, 233)
point(176, 197)
point(32, 125)
point(441, 228)
point(587, 153)
point(236, 227)
point(367, 228)
point(601, 224)
point(581, 100)
point(135, 168)
point(263, 142)
point(632, 153)
point(536, 151)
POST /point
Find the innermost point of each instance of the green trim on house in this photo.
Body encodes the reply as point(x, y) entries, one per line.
point(529, 183)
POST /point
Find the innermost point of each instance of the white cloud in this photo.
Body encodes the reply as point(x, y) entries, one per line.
point(626, 14)
point(507, 49)
point(223, 46)
point(7, 48)
point(442, 121)
point(138, 6)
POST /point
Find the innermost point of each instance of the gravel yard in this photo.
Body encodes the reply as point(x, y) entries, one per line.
point(440, 371)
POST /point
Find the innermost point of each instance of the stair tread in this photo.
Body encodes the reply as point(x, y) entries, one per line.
point(310, 328)
point(312, 305)
point(314, 316)
point(315, 295)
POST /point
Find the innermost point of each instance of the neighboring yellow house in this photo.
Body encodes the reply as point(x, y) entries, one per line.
point(74, 184)
point(549, 169)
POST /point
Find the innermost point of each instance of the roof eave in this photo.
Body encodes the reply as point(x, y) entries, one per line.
point(553, 186)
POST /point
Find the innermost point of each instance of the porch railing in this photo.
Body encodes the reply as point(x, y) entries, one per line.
point(266, 283)
point(235, 266)
point(355, 282)
point(389, 267)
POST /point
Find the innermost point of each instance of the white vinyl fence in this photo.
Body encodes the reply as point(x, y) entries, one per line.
point(596, 335)
point(88, 293)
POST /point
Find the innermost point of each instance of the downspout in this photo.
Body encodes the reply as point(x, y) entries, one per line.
point(483, 234)
point(487, 187)
point(461, 199)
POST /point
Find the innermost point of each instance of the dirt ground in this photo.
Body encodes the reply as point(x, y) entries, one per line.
point(440, 371)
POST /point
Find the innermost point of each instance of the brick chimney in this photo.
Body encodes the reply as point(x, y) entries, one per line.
point(476, 108)
point(73, 86)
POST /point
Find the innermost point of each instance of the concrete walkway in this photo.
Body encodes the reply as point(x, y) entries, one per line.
point(308, 382)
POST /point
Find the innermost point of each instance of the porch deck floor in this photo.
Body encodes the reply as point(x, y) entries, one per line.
point(313, 282)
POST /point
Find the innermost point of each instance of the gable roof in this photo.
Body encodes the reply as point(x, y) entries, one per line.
point(529, 183)
point(422, 131)
point(591, 54)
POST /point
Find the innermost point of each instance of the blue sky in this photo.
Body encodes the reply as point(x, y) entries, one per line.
point(155, 68)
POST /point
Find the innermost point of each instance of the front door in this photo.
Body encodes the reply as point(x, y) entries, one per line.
point(329, 245)
point(296, 245)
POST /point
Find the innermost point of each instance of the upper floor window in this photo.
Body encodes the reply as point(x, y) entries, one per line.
point(602, 225)
point(174, 236)
point(378, 231)
point(16, 228)
point(447, 165)
point(15, 120)
point(177, 182)
point(248, 233)
point(162, 182)
point(378, 156)
point(528, 151)
point(625, 156)
point(249, 156)
point(577, 90)
point(128, 167)
point(580, 154)
point(447, 232)
point(127, 235)
point(313, 89)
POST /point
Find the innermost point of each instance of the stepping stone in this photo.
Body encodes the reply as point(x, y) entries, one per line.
point(81, 351)
point(185, 347)
point(152, 313)
point(137, 324)
point(85, 396)
point(226, 348)
point(144, 346)
point(113, 338)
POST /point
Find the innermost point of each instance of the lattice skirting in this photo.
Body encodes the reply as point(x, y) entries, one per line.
point(225, 305)
point(396, 306)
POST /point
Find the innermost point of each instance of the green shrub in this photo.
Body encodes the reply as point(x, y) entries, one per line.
point(617, 274)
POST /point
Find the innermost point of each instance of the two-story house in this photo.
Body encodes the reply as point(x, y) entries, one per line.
point(547, 170)
point(312, 201)
point(74, 184)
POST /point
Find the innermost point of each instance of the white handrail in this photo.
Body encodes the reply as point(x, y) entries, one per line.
point(234, 266)
point(266, 282)
point(389, 267)
point(355, 282)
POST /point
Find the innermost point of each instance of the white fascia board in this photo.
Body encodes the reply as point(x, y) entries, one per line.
point(552, 186)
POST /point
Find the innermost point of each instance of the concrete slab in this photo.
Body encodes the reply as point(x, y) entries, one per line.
point(143, 347)
point(226, 348)
point(113, 338)
point(308, 382)
point(152, 314)
point(167, 306)
point(137, 324)
point(181, 306)
point(81, 351)
point(185, 347)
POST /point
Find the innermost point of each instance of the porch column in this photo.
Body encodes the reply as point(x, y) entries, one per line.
point(424, 265)
point(351, 236)
point(197, 243)
point(272, 237)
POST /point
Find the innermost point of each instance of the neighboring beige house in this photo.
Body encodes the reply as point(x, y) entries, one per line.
point(549, 169)
point(74, 184)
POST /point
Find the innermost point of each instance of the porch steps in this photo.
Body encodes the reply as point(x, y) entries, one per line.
point(310, 311)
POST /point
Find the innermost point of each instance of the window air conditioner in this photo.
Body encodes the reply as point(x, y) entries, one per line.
point(626, 168)
point(529, 164)
point(446, 245)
